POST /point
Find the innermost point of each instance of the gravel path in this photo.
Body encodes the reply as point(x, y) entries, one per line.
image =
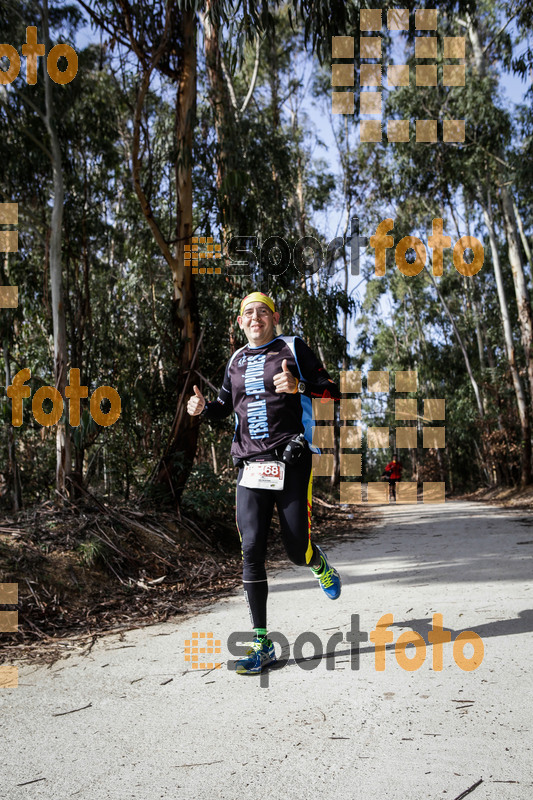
point(152, 727)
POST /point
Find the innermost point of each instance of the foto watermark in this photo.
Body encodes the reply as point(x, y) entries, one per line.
point(32, 50)
point(73, 391)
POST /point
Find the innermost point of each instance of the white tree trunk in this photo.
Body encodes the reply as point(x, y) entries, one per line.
point(519, 279)
point(63, 450)
point(509, 349)
point(459, 338)
point(525, 243)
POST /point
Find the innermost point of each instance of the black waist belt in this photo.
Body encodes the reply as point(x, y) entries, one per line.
point(271, 455)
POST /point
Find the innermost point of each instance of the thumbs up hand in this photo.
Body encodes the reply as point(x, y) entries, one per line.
point(285, 381)
point(196, 402)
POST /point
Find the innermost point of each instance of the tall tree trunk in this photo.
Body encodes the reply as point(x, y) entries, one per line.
point(184, 432)
point(493, 388)
point(475, 386)
point(63, 454)
point(226, 116)
point(523, 302)
point(220, 104)
point(184, 299)
point(509, 349)
point(423, 357)
point(12, 465)
point(487, 456)
point(179, 35)
point(522, 296)
point(525, 243)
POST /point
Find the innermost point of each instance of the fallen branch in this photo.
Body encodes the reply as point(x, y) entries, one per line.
point(62, 713)
point(126, 521)
point(323, 503)
point(35, 780)
point(467, 791)
point(34, 595)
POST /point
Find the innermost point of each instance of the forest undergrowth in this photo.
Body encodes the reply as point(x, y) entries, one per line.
point(97, 566)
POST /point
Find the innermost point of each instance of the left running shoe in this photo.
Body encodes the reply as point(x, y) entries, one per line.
point(329, 578)
point(258, 656)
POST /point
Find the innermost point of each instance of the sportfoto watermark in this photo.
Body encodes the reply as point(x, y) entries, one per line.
point(380, 637)
point(8, 624)
point(32, 50)
point(275, 255)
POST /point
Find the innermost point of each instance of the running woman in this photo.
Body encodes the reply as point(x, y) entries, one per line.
point(269, 384)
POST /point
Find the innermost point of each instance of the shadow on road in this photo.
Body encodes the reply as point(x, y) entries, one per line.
point(523, 623)
point(496, 546)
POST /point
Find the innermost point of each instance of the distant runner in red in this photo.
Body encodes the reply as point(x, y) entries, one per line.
point(393, 473)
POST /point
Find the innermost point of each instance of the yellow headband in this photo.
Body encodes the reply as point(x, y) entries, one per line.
point(258, 297)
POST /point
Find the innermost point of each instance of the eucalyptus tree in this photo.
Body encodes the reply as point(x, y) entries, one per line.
point(159, 44)
point(44, 107)
point(455, 185)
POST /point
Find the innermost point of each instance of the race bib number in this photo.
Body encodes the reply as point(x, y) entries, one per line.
point(263, 475)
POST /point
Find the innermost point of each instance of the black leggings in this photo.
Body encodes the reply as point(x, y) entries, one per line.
point(254, 508)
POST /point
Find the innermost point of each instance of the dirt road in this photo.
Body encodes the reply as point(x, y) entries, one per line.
point(150, 726)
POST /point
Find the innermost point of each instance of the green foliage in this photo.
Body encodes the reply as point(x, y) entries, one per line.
point(92, 552)
point(118, 288)
point(209, 497)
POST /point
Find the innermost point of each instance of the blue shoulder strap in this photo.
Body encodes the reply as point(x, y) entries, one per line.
point(307, 404)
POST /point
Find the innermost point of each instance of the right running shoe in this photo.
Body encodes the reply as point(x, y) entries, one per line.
point(258, 656)
point(329, 578)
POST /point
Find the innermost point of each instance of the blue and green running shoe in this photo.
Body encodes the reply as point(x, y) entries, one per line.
point(328, 577)
point(258, 656)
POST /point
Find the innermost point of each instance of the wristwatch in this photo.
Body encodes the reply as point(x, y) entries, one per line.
point(302, 387)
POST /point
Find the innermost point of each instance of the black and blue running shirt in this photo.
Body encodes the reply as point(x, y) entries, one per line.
point(266, 419)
